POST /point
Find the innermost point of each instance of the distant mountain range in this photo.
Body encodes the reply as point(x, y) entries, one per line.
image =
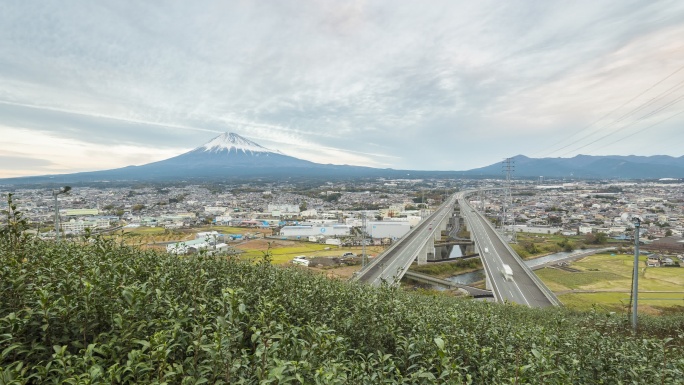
point(230, 156)
point(227, 156)
point(591, 167)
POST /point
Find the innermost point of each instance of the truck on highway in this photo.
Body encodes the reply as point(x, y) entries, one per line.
point(507, 272)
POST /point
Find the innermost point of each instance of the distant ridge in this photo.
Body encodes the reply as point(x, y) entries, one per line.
point(592, 167)
point(225, 157)
point(230, 156)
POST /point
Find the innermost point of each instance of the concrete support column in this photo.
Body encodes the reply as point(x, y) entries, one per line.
point(424, 251)
point(422, 255)
point(443, 225)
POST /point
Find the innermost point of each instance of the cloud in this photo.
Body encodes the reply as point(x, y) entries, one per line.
point(64, 155)
point(453, 85)
point(20, 162)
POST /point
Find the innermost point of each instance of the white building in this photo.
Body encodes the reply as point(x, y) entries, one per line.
point(292, 209)
point(186, 247)
point(585, 229)
point(536, 229)
point(208, 235)
point(312, 213)
point(387, 229)
point(223, 218)
point(79, 226)
point(309, 230)
point(215, 209)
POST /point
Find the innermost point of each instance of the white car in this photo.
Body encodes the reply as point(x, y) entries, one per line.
point(301, 260)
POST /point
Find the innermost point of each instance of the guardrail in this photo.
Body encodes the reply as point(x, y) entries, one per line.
point(545, 290)
point(381, 256)
point(541, 285)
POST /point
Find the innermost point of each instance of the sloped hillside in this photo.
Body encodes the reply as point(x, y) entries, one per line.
point(101, 313)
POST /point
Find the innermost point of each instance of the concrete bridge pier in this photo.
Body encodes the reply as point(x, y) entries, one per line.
point(442, 227)
point(427, 252)
point(442, 252)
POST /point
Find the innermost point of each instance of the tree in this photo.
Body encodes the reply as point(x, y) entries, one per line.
point(334, 197)
point(668, 233)
point(596, 238)
point(566, 245)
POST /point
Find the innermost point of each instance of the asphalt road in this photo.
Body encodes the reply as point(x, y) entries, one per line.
point(392, 264)
point(521, 288)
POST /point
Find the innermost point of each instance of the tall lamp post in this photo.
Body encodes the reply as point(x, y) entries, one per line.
point(635, 283)
point(55, 193)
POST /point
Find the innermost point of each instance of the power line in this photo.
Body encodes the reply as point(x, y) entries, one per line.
point(610, 133)
point(619, 120)
point(647, 127)
point(608, 114)
point(648, 115)
point(653, 100)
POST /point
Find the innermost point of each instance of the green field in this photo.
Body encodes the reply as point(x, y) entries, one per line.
point(233, 230)
point(281, 255)
point(612, 301)
point(145, 230)
point(536, 245)
point(150, 235)
point(605, 280)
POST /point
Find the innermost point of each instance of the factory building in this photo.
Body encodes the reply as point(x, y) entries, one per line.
point(312, 230)
point(387, 229)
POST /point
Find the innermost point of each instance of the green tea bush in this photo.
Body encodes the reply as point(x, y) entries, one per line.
point(98, 312)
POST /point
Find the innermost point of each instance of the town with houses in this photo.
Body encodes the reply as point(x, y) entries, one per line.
point(338, 213)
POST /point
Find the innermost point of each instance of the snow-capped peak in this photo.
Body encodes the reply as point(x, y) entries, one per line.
point(230, 141)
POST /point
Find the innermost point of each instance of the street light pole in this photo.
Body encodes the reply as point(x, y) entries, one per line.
point(635, 283)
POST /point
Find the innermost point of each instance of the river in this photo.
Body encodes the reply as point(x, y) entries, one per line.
point(455, 252)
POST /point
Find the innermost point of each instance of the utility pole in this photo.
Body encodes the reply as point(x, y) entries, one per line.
point(635, 281)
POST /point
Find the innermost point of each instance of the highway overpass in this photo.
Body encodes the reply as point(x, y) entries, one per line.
point(523, 287)
point(418, 244)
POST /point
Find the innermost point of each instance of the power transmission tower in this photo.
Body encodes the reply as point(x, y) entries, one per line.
point(508, 168)
point(364, 258)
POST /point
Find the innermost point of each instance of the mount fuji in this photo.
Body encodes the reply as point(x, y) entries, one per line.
point(227, 156)
point(228, 152)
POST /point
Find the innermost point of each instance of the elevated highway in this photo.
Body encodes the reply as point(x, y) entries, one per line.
point(390, 266)
point(523, 286)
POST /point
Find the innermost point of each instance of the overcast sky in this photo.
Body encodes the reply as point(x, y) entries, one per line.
point(428, 85)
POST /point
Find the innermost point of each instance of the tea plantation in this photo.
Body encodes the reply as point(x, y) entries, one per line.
point(99, 312)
